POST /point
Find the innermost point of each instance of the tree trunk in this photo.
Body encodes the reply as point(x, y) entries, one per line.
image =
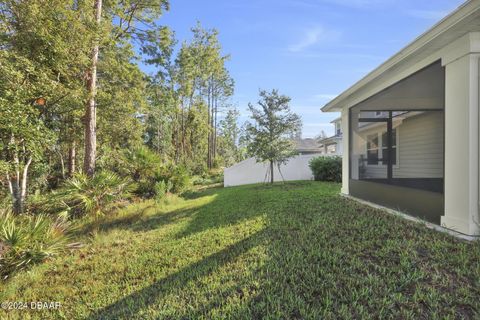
point(14, 187)
point(271, 172)
point(210, 125)
point(209, 134)
point(90, 108)
point(23, 189)
point(182, 141)
point(71, 158)
point(18, 187)
point(215, 130)
point(62, 164)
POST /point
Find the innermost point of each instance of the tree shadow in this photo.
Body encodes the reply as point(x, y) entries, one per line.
point(108, 223)
point(324, 257)
point(127, 307)
point(230, 206)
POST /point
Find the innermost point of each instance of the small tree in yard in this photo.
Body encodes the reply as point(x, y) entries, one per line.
point(270, 135)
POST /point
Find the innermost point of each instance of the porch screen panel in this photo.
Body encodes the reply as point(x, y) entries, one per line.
point(397, 145)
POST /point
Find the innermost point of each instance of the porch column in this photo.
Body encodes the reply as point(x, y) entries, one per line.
point(462, 139)
point(345, 151)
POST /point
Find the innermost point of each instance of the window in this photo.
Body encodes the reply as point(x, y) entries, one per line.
point(372, 149)
point(379, 155)
point(378, 113)
point(385, 147)
point(338, 129)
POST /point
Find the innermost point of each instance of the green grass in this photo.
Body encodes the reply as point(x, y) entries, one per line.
point(291, 251)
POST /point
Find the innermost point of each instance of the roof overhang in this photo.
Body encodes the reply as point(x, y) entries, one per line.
point(336, 120)
point(462, 21)
point(330, 140)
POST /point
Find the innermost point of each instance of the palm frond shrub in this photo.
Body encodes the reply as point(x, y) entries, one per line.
point(26, 240)
point(83, 195)
point(145, 168)
point(162, 189)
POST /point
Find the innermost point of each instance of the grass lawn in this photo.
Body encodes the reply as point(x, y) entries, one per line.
point(294, 251)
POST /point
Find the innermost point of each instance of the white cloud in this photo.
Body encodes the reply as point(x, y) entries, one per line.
point(428, 14)
point(311, 37)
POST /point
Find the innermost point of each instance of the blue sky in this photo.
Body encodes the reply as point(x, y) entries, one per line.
point(311, 50)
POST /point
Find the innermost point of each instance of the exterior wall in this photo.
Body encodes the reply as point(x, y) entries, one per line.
point(462, 165)
point(419, 148)
point(249, 171)
point(339, 148)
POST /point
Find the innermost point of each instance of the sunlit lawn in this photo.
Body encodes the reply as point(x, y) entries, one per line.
point(292, 251)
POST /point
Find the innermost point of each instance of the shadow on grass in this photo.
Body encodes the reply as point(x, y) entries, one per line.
point(132, 304)
point(327, 257)
point(108, 223)
point(228, 207)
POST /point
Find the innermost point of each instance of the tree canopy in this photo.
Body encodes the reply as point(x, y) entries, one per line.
point(271, 133)
point(72, 88)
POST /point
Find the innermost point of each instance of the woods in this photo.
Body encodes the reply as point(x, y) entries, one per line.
point(74, 96)
point(101, 105)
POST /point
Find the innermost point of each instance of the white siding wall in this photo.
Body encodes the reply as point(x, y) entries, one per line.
point(249, 171)
point(420, 148)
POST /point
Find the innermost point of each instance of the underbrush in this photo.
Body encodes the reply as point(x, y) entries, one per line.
point(26, 240)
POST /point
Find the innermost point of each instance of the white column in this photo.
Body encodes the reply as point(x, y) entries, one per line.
point(462, 145)
point(345, 151)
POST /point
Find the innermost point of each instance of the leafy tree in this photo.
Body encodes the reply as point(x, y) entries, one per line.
point(274, 124)
point(118, 26)
point(42, 64)
point(230, 134)
point(185, 96)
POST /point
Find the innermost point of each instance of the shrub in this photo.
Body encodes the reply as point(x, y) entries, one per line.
point(95, 195)
point(327, 168)
point(212, 177)
point(179, 177)
point(26, 240)
point(162, 188)
point(145, 168)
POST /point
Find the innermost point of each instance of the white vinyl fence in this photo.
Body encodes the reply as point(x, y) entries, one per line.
point(249, 171)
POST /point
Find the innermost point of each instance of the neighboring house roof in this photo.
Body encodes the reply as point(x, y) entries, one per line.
point(336, 120)
point(330, 140)
point(307, 145)
point(462, 21)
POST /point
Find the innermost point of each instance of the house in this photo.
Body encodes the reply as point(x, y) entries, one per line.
point(307, 146)
point(250, 171)
point(411, 127)
point(333, 145)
